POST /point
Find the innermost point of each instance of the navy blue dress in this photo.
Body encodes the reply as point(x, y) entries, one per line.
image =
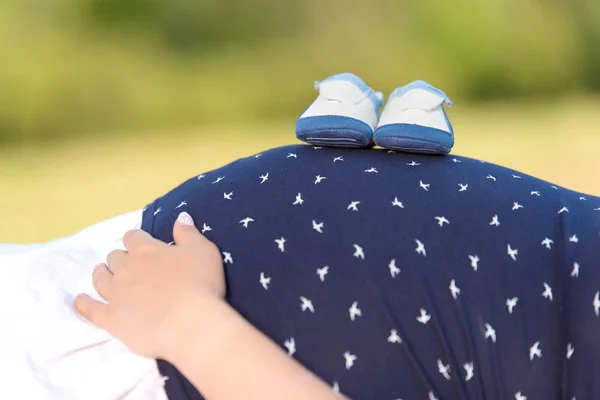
point(401, 276)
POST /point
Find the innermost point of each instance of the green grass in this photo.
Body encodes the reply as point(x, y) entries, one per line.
point(50, 191)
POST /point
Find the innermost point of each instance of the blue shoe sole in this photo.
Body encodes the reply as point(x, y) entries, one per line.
point(414, 139)
point(334, 131)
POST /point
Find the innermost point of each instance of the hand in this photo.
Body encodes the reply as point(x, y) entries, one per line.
point(153, 289)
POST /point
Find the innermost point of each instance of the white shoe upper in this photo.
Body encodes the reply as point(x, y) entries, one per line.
point(346, 95)
point(417, 104)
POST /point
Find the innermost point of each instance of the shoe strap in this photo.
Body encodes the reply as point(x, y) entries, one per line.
point(419, 95)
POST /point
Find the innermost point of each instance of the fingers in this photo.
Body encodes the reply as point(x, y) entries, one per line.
point(115, 258)
point(102, 280)
point(134, 238)
point(185, 232)
point(92, 310)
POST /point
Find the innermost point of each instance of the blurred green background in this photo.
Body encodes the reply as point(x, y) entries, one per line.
point(106, 104)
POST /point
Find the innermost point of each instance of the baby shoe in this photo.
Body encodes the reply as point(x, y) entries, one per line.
point(414, 120)
point(344, 114)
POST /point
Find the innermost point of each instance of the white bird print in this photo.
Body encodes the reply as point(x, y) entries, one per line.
point(562, 210)
point(413, 164)
point(336, 387)
point(511, 303)
point(597, 209)
point(353, 206)
point(420, 248)
point(490, 333)
point(164, 380)
point(319, 178)
point(442, 221)
point(516, 206)
point(322, 272)
point(358, 252)
point(495, 221)
point(258, 155)
point(575, 271)
point(583, 198)
point(548, 243)
point(470, 370)
point(519, 396)
point(391, 151)
point(350, 358)
point(159, 209)
point(516, 176)
point(394, 337)
point(535, 193)
point(227, 195)
point(219, 179)
point(456, 160)
point(455, 291)
point(292, 155)
point(397, 203)
point(183, 203)
point(463, 187)
point(264, 178)
point(513, 253)
point(246, 221)
point(570, 351)
point(340, 158)
point(318, 227)
point(535, 351)
point(298, 200)
point(425, 186)
point(265, 281)
point(355, 311)
point(491, 177)
point(306, 305)
point(394, 270)
point(281, 244)
point(547, 292)
point(201, 176)
point(597, 304)
point(317, 148)
point(432, 396)
point(371, 170)
point(574, 239)
point(474, 260)
point(444, 369)
point(227, 258)
point(171, 243)
point(424, 317)
point(554, 187)
point(205, 228)
point(290, 345)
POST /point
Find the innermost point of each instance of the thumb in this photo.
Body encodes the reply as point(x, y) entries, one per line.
point(184, 230)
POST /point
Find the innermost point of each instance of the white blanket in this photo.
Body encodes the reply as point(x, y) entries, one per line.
point(46, 350)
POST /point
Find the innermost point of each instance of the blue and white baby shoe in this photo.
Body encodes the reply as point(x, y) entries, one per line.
point(414, 120)
point(344, 114)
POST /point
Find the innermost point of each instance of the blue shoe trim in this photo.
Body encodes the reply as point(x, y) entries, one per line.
point(414, 138)
point(350, 77)
point(334, 130)
point(360, 84)
point(421, 85)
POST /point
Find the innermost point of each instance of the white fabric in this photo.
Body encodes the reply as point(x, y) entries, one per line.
point(415, 107)
point(342, 98)
point(46, 350)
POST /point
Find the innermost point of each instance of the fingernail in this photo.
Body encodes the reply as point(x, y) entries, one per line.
point(185, 219)
point(98, 266)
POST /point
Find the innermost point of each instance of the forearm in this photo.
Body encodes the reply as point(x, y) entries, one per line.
point(237, 361)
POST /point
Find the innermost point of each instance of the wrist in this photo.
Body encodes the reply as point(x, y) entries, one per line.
point(199, 329)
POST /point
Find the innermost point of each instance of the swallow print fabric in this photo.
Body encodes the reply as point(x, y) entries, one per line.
point(401, 276)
